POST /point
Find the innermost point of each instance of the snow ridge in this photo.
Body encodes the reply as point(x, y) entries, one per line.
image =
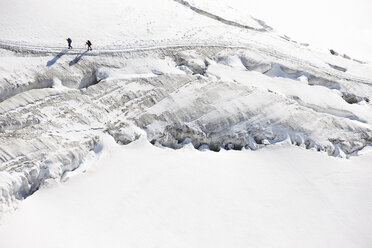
point(264, 28)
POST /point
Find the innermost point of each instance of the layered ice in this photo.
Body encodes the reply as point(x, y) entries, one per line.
point(186, 73)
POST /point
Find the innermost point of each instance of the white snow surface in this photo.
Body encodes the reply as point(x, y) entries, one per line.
point(342, 25)
point(113, 24)
point(183, 76)
point(141, 195)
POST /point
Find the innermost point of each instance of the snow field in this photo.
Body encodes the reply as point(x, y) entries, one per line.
point(187, 75)
point(141, 195)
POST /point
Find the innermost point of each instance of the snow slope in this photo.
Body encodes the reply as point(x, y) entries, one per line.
point(129, 22)
point(190, 73)
point(342, 25)
point(140, 196)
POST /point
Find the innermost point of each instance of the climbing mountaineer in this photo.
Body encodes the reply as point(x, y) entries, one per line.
point(89, 44)
point(69, 41)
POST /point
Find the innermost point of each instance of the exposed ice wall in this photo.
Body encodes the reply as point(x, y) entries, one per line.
point(216, 98)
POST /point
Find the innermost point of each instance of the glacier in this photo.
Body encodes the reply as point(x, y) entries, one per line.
point(190, 74)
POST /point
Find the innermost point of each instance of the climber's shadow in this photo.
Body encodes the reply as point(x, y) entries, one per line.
point(75, 60)
point(57, 57)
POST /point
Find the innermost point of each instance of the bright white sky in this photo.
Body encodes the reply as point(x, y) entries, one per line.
point(344, 25)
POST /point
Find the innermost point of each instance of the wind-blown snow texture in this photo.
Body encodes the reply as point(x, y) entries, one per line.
point(188, 72)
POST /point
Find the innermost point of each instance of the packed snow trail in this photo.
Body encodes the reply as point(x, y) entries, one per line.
point(258, 48)
point(45, 50)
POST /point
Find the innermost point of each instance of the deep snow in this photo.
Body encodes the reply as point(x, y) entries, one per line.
point(140, 196)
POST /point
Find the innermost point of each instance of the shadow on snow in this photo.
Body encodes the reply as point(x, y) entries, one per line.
point(75, 60)
point(58, 56)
